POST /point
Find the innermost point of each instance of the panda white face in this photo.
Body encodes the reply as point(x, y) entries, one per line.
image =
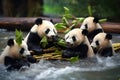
point(101, 40)
point(90, 24)
point(47, 29)
point(50, 32)
point(24, 49)
point(15, 50)
point(74, 37)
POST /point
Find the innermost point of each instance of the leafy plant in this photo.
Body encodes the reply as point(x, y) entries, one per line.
point(68, 21)
point(102, 20)
point(44, 42)
point(90, 10)
point(58, 52)
point(61, 42)
point(74, 59)
point(67, 13)
point(18, 37)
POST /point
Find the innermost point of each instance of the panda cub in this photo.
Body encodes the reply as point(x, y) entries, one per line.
point(77, 44)
point(40, 29)
point(12, 55)
point(102, 44)
point(93, 27)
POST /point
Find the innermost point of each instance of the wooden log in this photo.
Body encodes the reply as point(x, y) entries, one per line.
point(25, 23)
point(111, 27)
point(22, 23)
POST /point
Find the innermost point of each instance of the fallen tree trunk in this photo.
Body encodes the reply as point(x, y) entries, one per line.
point(22, 23)
point(25, 23)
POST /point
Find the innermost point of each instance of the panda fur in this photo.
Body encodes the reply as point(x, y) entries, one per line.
point(93, 27)
point(102, 44)
point(12, 55)
point(40, 29)
point(77, 44)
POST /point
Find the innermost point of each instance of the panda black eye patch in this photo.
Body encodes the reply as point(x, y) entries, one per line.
point(86, 26)
point(54, 31)
point(47, 31)
point(97, 42)
point(74, 39)
point(22, 50)
point(67, 37)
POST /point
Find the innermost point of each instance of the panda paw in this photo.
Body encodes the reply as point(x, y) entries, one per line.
point(68, 54)
point(31, 59)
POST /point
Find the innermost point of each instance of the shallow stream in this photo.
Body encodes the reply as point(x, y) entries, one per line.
point(88, 69)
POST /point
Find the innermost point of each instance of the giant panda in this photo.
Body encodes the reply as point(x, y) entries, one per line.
point(93, 27)
point(102, 44)
point(40, 29)
point(77, 44)
point(12, 55)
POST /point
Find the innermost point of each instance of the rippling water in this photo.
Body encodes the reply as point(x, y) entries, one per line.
point(89, 69)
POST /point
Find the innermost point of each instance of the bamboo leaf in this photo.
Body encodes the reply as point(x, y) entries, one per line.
point(60, 26)
point(80, 20)
point(89, 10)
point(64, 21)
point(70, 28)
point(19, 37)
point(58, 52)
point(67, 13)
point(102, 20)
point(74, 59)
point(61, 42)
point(66, 10)
point(44, 42)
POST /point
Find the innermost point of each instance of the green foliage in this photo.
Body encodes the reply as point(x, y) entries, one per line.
point(102, 20)
point(58, 52)
point(74, 59)
point(60, 26)
point(67, 13)
point(18, 37)
point(90, 10)
point(61, 42)
point(101, 8)
point(65, 21)
point(44, 42)
point(70, 28)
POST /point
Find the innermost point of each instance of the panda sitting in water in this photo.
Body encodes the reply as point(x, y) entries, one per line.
point(12, 55)
point(40, 29)
point(102, 45)
point(93, 27)
point(77, 44)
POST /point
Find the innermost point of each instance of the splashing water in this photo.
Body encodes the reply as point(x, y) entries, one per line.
point(57, 70)
point(98, 68)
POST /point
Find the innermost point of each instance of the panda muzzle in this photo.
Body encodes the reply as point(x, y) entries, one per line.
point(53, 38)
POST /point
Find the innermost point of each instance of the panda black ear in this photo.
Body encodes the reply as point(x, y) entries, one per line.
point(96, 20)
point(10, 42)
point(38, 21)
point(108, 36)
point(85, 32)
point(51, 20)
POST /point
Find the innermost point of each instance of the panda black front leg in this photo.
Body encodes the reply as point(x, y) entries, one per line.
point(31, 59)
point(33, 43)
point(68, 53)
point(83, 51)
point(9, 61)
point(106, 52)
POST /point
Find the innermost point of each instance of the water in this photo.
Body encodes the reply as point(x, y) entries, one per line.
point(89, 69)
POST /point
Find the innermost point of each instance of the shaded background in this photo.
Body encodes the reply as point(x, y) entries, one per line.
point(34, 8)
